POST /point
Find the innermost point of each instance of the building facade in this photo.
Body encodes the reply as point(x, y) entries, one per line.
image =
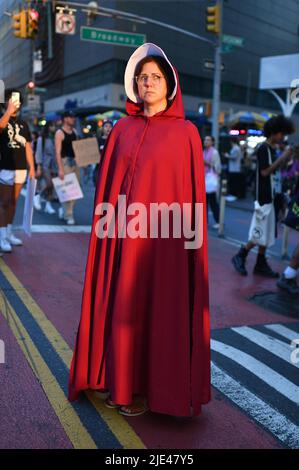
point(89, 75)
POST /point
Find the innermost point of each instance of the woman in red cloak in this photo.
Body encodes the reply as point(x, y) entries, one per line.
point(144, 328)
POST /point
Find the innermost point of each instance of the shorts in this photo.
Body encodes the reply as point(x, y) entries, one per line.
point(11, 177)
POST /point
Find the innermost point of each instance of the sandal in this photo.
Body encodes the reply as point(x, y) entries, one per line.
point(110, 404)
point(133, 410)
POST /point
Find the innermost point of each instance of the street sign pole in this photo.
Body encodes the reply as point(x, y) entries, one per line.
point(217, 82)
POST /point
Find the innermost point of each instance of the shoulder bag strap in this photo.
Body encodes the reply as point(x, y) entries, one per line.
point(271, 176)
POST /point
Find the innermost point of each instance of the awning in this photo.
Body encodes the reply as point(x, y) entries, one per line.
point(247, 117)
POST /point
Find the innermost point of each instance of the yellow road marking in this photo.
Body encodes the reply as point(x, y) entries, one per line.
point(71, 423)
point(121, 429)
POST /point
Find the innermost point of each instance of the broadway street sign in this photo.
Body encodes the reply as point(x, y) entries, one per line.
point(107, 36)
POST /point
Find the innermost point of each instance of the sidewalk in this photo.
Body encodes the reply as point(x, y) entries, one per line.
point(44, 295)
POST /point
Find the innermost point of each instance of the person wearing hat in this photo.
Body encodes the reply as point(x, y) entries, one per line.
point(143, 337)
point(66, 162)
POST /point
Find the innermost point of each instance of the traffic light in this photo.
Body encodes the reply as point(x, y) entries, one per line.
point(30, 86)
point(20, 24)
point(213, 19)
point(33, 17)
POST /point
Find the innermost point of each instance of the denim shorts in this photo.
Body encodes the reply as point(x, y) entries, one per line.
point(11, 177)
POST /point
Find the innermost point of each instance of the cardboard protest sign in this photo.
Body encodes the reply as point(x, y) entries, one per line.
point(86, 151)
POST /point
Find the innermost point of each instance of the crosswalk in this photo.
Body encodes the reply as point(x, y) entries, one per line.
point(257, 368)
point(44, 228)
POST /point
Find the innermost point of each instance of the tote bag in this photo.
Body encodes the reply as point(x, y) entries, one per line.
point(211, 182)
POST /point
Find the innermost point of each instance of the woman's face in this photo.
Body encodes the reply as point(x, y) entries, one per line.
point(152, 85)
point(208, 142)
point(107, 128)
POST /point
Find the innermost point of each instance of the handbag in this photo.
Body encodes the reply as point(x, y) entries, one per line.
point(211, 180)
point(292, 218)
point(262, 227)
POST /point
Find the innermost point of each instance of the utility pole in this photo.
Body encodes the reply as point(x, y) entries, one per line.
point(217, 76)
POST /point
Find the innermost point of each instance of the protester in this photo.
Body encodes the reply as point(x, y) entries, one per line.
point(16, 156)
point(212, 176)
point(249, 159)
point(290, 172)
point(66, 162)
point(45, 159)
point(144, 329)
point(105, 131)
point(275, 130)
point(234, 170)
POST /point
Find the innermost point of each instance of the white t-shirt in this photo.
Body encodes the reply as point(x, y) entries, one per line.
point(234, 161)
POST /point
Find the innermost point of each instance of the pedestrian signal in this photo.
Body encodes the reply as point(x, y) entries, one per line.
point(33, 17)
point(30, 86)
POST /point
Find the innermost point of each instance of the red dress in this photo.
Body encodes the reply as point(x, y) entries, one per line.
point(144, 325)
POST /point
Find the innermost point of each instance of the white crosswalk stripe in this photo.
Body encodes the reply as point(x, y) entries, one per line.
point(284, 331)
point(277, 347)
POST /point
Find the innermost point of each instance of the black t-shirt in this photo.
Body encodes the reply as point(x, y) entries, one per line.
point(101, 142)
point(264, 194)
point(12, 145)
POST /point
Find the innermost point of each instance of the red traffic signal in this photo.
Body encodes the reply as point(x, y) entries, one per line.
point(33, 17)
point(30, 85)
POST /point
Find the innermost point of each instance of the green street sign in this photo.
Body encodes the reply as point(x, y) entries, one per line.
point(39, 89)
point(233, 40)
point(108, 36)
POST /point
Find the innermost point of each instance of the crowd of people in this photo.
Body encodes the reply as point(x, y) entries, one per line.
point(42, 155)
point(276, 176)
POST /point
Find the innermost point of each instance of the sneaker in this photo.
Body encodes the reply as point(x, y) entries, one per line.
point(263, 269)
point(5, 246)
point(49, 209)
point(216, 226)
point(14, 241)
point(290, 285)
point(231, 198)
point(60, 213)
point(37, 202)
point(239, 261)
point(70, 221)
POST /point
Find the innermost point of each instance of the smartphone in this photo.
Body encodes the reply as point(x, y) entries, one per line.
point(15, 98)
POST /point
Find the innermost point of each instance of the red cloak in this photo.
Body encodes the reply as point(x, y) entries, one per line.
point(144, 325)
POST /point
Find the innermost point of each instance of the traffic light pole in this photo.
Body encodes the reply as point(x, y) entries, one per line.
point(217, 80)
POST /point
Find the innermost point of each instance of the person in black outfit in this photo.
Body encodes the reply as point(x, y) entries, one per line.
point(16, 157)
point(275, 130)
point(106, 129)
point(66, 162)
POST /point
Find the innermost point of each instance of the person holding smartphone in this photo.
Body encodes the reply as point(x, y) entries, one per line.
point(16, 158)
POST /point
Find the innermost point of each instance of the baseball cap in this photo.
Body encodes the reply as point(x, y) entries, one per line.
point(68, 113)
